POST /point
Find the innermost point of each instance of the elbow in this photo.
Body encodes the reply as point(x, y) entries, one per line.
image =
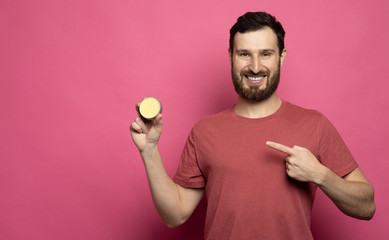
point(174, 223)
point(362, 214)
point(371, 209)
point(366, 213)
point(370, 213)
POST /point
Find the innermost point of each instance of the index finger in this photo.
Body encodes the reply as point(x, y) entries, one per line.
point(280, 147)
point(137, 106)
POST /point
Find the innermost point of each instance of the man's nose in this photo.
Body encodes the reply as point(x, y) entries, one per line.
point(255, 65)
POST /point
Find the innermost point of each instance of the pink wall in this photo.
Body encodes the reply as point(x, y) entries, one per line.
point(71, 72)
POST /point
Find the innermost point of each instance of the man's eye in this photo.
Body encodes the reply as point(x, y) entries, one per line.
point(266, 54)
point(243, 54)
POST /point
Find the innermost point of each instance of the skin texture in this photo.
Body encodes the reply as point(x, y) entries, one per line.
point(255, 54)
point(352, 194)
point(174, 203)
point(256, 57)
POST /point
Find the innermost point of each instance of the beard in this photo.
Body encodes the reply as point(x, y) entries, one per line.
point(253, 93)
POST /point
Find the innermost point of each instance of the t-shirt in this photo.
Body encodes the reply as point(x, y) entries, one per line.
point(249, 194)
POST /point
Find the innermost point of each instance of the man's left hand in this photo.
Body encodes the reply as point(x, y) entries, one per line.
point(301, 164)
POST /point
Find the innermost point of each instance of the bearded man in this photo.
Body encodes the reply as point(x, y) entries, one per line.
point(259, 162)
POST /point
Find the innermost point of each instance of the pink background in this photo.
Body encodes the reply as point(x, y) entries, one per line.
point(72, 71)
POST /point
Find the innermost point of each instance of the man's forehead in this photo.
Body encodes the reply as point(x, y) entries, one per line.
point(264, 38)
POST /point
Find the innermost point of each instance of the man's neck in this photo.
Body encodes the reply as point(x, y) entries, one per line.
point(264, 108)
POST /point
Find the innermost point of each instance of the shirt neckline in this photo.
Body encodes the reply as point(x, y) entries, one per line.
point(275, 114)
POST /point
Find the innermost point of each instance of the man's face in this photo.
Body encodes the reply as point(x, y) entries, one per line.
point(255, 64)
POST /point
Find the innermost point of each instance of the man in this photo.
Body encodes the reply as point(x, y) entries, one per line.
point(257, 185)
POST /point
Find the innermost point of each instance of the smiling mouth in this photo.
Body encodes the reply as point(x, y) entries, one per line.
point(255, 78)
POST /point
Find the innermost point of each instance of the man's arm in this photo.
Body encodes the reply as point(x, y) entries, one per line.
point(352, 194)
point(174, 203)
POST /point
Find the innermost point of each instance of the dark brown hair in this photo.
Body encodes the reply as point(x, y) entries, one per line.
point(252, 21)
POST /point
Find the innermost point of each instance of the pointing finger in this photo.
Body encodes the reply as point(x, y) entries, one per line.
point(280, 147)
point(299, 148)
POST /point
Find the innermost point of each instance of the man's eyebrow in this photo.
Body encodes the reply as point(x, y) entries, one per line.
point(241, 50)
point(268, 50)
point(260, 50)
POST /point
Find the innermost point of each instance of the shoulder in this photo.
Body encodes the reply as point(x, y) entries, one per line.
point(294, 115)
point(213, 120)
point(293, 111)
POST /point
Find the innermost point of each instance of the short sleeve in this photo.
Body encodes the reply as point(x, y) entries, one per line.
point(189, 173)
point(333, 152)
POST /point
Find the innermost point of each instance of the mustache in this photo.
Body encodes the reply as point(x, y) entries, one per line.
point(253, 74)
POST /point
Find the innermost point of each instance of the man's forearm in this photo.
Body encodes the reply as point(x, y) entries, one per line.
point(174, 203)
point(354, 198)
point(164, 191)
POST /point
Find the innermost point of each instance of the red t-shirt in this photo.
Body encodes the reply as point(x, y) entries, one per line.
point(248, 191)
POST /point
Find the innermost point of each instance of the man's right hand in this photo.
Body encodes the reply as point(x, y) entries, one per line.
point(146, 133)
point(174, 203)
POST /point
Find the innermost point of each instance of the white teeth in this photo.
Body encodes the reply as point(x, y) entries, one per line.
point(255, 78)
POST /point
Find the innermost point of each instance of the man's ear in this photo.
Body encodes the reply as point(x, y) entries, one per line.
point(283, 55)
point(230, 55)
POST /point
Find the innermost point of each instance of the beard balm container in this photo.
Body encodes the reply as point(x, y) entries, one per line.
point(150, 108)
